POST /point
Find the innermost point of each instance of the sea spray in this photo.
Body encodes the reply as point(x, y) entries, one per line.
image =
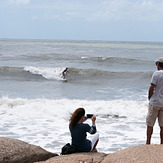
point(45, 122)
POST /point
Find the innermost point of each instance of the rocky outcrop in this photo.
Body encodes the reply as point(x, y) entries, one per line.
point(91, 157)
point(16, 151)
point(137, 154)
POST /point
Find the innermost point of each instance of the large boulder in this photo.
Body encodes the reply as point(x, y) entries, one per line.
point(137, 154)
point(89, 157)
point(16, 151)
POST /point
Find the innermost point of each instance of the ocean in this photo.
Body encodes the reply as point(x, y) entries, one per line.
point(109, 79)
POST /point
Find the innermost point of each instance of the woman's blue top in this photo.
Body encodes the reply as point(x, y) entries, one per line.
point(79, 136)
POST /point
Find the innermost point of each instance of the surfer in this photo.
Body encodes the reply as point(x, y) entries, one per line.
point(64, 73)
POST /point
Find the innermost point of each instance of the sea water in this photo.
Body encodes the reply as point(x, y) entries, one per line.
point(108, 79)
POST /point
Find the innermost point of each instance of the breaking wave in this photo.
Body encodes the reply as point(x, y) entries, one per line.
point(73, 73)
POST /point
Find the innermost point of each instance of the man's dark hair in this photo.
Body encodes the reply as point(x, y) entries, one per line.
point(160, 64)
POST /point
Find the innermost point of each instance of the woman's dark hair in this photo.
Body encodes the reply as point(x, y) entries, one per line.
point(76, 116)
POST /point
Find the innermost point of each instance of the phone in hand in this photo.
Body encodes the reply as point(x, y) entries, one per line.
point(89, 115)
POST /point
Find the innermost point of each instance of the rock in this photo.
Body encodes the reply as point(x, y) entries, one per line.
point(137, 154)
point(16, 151)
point(89, 157)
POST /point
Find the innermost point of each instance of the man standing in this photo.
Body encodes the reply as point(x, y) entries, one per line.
point(155, 97)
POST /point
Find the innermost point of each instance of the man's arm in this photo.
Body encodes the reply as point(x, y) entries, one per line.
point(151, 89)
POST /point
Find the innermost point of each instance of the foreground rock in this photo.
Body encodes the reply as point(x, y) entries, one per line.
point(78, 158)
point(16, 151)
point(137, 154)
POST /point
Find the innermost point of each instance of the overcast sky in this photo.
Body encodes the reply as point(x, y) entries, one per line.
point(113, 20)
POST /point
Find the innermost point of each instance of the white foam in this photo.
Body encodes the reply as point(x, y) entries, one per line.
point(44, 122)
point(46, 72)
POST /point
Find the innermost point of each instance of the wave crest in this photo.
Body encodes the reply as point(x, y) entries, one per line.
point(73, 73)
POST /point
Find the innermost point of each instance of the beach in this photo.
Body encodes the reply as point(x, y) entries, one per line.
point(109, 79)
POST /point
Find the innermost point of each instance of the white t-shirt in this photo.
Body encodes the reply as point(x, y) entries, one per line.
point(157, 97)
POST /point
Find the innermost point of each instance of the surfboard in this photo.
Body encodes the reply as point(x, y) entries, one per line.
point(64, 80)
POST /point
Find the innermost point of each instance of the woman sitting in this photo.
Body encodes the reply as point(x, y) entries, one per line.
point(79, 131)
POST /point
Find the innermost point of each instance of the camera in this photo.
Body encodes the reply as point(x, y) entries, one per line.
point(89, 115)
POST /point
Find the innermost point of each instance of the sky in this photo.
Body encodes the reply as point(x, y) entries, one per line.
point(112, 20)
